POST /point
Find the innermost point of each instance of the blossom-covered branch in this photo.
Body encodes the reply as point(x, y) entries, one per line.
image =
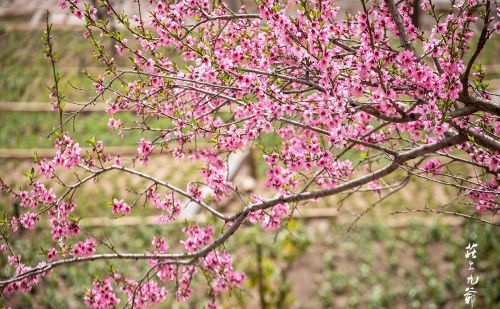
point(349, 100)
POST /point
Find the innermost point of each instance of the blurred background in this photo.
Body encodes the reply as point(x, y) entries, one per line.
point(385, 261)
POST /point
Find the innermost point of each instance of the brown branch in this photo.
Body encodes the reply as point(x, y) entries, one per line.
point(403, 35)
point(445, 212)
point(400, 186)
point(483, 38)
point(169, 186)
point(222, 17)
point(489, 106)
point(384, 171)
point(479, 138)
point(239, 218)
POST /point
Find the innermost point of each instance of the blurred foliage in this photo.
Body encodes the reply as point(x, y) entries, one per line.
point(269, 265)
point(25, 72)
point(36, 127)
point(416, 267)
point(372, 267)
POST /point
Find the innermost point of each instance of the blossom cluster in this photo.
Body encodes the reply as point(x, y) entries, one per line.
point(328, 103)
point(197, 236)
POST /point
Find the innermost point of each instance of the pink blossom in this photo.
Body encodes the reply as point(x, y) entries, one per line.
point(85, 248)
point(78, 14)
point(120, 207)
point(145, 149)
point(62, 4)
point(197, 237)
point(28, 220)
point(101, 296)
point(117, 160)
point(433, 166)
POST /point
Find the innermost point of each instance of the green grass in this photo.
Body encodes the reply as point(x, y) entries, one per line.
point(25, 72)
point(417, 267)
point(30, 130)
